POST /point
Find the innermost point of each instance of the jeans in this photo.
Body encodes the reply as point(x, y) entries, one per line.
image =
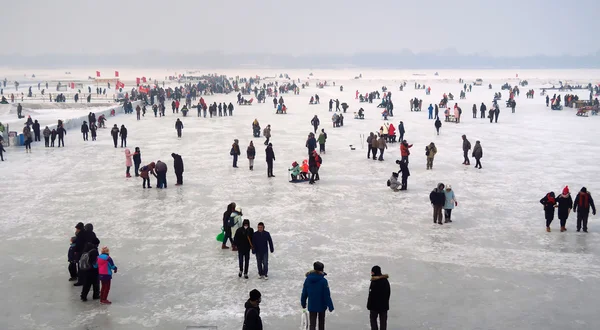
point(105, 288)
point(123, 142)
point(478, 162)
point(404, 182)
point(244, 259)
point(179, 133)
point(563, 222)
point(313, 316)
point(369, 148)
point(405, 159)
point(115, 138)
point(138, 116)
point(448, 214)
point(227, 236)
point(322, 147)
point(314, 174)
point(382, 320)
point(61, 139)
point(85, 136)
point(262, 261)
point(179, 176)
point(374, 152)
point(235, 158)
point(381, 153)
point(162, 179)
point(437, 213)
point(136, 168)
point(267, 141)
point(251, 163)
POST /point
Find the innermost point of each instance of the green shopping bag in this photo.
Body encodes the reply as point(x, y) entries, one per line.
point(221, 236)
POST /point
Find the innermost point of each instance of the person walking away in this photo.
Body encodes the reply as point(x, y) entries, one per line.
point(243, 240)
point(46, 134)
point(178, 166)
point(477, 154)
point(382, 146)
point(84, 130)
point(178, 127)
point(549, 203)
point(404, 150)
point(311, 143)
point(227, 226)
point(315, 122)
point(405, 174)
point(267, 134)
point(430, 109)
point(370, 144)
point(482, 109)
point(137, 161)
point(322, 138)
point(449, 204)
point(61, 132)
point(430, 152)
point(378, 302)
point(71, 257)
point(565, 204)
point(123, 134)
point(138, 110)
point(128, 162)
point(93, 129)
point(262, 243)
point(27, 136)
point(251, 154)
point(53, 134)
point(401, 131)
point(252, 320)
point(270, 154)
point(235, 151)
point(474, 111)
point(106, 266)
point(88, 272)
point(316, 291)
point(36, 130)
point(437, 197)
point(496, 114)
point(582, 203)
point(466, 146)
point(115, 134)
point(438, 125)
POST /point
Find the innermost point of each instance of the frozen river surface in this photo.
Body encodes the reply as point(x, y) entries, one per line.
point(494, 267)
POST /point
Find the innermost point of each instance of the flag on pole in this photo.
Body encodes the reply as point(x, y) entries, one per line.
point(72, 85)
point(97, 73)
point(137, 81)
point(143, 79)
point(117, 74)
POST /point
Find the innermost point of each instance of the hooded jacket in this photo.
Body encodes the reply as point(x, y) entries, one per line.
point(466, 145)
point(316, 290)
point(431, 150)
point(242, 238)
point(128, 156)
point(177, 163)
point(161, 166)
point(252, 320)
point(394, 183)
point(381, 143)
point(267, 132)
point(549, 202)
point(251, 152)
point(379, 294)
point(437, 196)
point(322, 138)
point(46, 132)
point(450, 199)
point(311, 143)
point(477, 151)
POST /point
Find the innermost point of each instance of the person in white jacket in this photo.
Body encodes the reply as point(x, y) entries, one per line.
point(450, 203)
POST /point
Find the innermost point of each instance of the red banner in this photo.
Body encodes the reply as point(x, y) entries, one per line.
point(137, 81)
point(97, 73)
point(117, 74)
point(119, 85)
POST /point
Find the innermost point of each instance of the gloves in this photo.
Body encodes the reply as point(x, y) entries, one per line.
point(455, 203)
point(303, 309)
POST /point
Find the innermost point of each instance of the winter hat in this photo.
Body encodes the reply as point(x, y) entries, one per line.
point(376, 270)
point(79, 226)
point(318, 266)
point(583, 189)
point(449, 187)
point(246, 222)
point(89, 227)
point(565, 190)
point(254, 295)
point(270, 144)
point(238, 209)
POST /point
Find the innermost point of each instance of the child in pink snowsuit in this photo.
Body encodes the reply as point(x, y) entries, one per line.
point(105, 270)
point(128, 162)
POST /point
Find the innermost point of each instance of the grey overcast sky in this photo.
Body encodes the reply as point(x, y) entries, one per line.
point(493, 27)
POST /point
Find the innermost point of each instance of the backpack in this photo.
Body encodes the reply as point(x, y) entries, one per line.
point(231, 222)
point(84, 261)
point(426, 151)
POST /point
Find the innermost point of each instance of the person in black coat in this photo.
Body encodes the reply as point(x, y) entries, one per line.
point(243, 241)
point(123, 134)
point(36, 131)
point(178, 127)
point(178, 166)
point(115, 134)
point(90, 277)
point(565, 204)
point(84, 130)
point(270, 159)
point(438, 124)
point(405, 173)
point(311, 143)
point(437, 197)
point(483, 110)
point(582, 203)
point(61, 132)
point(230, 108)
point(137, 160)
point(252, 320)
point(378, 302)
point(549, 202)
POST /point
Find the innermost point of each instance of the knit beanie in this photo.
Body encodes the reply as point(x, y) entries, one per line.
point(376, 270)
point(565, 190)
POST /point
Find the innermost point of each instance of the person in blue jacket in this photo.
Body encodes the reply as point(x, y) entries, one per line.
point(262, 242)
point(430, 111)
point(449, 204)
point(316, 290)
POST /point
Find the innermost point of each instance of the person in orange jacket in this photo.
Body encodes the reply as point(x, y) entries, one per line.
point(404, 152)
point(304, 170)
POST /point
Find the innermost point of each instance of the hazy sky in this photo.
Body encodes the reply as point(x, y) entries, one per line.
point(506, 27)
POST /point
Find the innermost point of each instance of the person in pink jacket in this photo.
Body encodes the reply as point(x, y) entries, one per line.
point(106, 266)
point(128, 162)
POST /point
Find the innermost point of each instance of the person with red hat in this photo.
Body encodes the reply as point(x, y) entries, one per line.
point(565, 204)
point(314, 163)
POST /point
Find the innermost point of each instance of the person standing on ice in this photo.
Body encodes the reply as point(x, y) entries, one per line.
point(61, 132)
point(430, 152)
point(378, 302)
point(322, 139)
point(405, 173)
point(496, 113)
point(267, 134)
point(36, 130)
point(311, 144)
point(262, 243)
point(583, 201)
point(161, 175)
point(565, 204)
point(115, 134)
point(449, 204)
point(178, 127)
point(474, 111)
point(316, 291)
point(466, 146)
point(275, 102)
point(84, 130)
point(382, 146)
point(438, 125)
point(404, 150)
point(270, 155)
point(482, 109)
point(477, 154)
point(235, 152)
point(330, 105)
point(243, 240)
point(251, 154)
point(123, 133)
point(315, 122)
point(549, 203)
point(430, 111)
point(178, 167)
point(137, 160)
point(401, 131)
point(128, 163)
point(437, 197)
point(27, 138)
point(547, 100)
point(47, 136)
point(138, 110)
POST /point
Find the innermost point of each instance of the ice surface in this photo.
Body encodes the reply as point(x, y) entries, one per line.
point(495, 267)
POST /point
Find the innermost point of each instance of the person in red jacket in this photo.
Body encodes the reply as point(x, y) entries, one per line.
point(391, 133)
point(404, 152)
